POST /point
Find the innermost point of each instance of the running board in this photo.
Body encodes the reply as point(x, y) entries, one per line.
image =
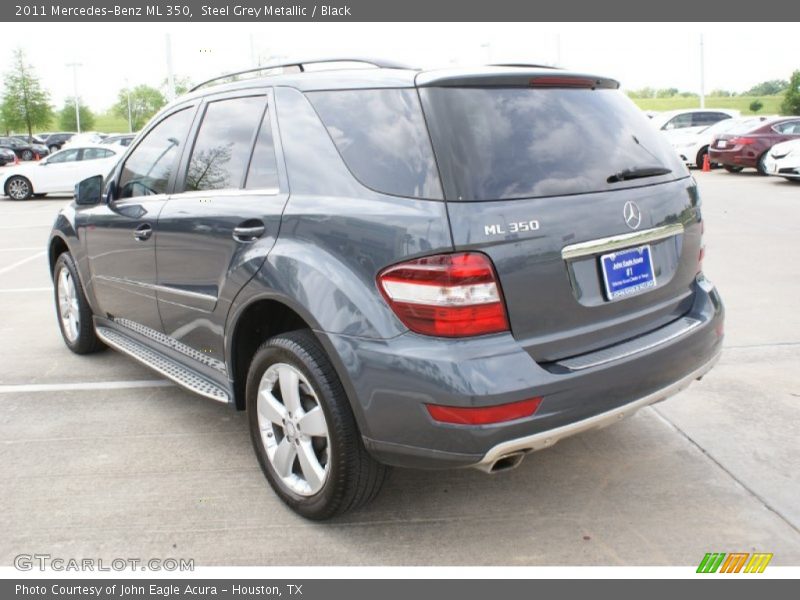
point(163, 365)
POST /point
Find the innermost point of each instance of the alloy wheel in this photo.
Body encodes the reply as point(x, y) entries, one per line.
point(18, 188)
point(293, 429)
point(68, 305)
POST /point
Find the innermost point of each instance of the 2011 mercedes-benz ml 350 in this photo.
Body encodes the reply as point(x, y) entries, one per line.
point(388, 266)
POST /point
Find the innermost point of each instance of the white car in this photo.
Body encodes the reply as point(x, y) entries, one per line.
point(59, 172)
point(783, 160)
point(85, 138)
point(692, 144)
point(691, 119)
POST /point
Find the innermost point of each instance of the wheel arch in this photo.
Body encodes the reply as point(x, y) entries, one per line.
point(259, 318)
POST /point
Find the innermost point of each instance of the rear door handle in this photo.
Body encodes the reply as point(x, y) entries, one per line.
point(249, 231)
point(143, 232)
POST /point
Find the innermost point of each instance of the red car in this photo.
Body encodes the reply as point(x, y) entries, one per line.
point(739, 149)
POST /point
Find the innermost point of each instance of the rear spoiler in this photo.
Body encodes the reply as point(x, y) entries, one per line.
point(513, 77)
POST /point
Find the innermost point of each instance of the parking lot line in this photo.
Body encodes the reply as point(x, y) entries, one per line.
point(19, 263)
point(97, 385)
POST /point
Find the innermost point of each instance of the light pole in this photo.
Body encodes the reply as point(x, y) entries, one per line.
point(488, 46)
point(128, 92)
point(170, 74)
point(702, 73)
point(75, 66)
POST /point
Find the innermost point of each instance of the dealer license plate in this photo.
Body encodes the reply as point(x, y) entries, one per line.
point(628, 272)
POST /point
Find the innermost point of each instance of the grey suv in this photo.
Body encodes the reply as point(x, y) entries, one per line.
point(387, 266)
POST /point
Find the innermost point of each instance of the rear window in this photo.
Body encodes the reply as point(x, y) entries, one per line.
point(382, 138)
point(505, 143)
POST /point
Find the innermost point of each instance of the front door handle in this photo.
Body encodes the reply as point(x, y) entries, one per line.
point(143, 232)
point(249, 231)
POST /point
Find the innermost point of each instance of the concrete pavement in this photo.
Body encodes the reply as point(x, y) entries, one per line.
point(156, 472)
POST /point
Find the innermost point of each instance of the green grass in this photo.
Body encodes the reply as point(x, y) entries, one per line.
point(110, 123)
point(772, 104)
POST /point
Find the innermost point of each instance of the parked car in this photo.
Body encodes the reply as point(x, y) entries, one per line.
point(7, 157)
point(58, 173)
point(430, 294)
point(87, 137)
point(23, 149)
point(747, 147)
point(56, 141)
point(123, 140)
point(692, 119)
point(692, 145)
point(783, 160)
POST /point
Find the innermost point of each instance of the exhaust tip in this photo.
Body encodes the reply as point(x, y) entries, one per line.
point(507, 462)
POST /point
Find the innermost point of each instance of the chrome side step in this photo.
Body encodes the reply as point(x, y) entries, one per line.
point(167, 367)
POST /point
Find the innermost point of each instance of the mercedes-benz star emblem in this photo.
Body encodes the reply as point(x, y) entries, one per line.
point(632, 214)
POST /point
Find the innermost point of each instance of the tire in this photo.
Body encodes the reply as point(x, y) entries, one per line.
point(792, 179)
point(342, 476)
point(72, 309)
point(53, 149)
point(731, 169)
point(701, 154)
point(760, 166)
point(18, 188)
point(27, 155)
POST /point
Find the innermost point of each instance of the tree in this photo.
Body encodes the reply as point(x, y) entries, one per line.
point(182, 85)
point(756, 105)
point(791, 100)
point(25, 104)
point(145, 101)
point(768, 88)
point(66, 116)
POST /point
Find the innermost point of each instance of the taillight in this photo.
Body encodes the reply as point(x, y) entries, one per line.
point(742, 141)
point(447, 295)
point(484, 415)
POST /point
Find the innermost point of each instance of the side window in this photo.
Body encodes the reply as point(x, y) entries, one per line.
point(222, 149)
point(679, 122)
point(263, 172)
point(382, 137)
point(149, 167)
point(95, 153)
point(65, 156)
point(788, 128)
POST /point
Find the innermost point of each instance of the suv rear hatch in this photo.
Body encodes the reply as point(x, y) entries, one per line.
point(547, 172)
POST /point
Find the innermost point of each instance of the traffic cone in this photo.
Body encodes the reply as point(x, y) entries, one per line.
point(35, 156)
point(706, 163)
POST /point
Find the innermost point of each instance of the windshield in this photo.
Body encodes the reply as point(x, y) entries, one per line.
point(504, 143)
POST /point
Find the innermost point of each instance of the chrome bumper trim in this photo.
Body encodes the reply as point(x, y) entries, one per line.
point(545, 439)
point(623, 240)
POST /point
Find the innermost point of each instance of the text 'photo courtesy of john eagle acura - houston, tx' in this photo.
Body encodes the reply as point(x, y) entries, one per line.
point(396, 267)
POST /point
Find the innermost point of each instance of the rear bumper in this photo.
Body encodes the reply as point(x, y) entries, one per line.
point(745, 156)
point(390, 381)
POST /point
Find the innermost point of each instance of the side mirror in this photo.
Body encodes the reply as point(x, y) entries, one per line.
point(89, 191)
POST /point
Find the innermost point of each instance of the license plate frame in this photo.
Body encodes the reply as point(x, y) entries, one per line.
point(628, 272)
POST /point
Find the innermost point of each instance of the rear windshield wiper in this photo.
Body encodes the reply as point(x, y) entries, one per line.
point(638, 173)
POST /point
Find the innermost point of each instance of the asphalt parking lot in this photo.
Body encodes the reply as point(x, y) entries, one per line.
point(100, 458)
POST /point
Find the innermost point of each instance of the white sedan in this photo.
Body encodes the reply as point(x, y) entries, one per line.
point(783, 160)
point(59, 172)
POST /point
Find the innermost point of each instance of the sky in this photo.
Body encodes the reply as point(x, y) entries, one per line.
point(637, 54)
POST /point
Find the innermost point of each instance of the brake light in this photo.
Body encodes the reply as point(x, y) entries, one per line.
point(447, 295)
point(459, 415)
point(562, 82)
point(742, 141)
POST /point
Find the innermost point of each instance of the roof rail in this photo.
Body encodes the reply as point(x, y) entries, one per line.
point(301, 64)
point(524, 65)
